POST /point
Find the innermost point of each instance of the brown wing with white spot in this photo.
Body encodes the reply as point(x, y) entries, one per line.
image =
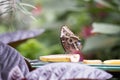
point(69, 40)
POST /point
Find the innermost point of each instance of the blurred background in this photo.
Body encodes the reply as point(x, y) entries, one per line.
point(95, 22)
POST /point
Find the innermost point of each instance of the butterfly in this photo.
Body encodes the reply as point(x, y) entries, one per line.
point(69, 40)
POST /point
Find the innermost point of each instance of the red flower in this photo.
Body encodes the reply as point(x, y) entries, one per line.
point(37, 11)
point(86, 32)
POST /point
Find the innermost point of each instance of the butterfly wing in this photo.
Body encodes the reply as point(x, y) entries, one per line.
point(69, 41)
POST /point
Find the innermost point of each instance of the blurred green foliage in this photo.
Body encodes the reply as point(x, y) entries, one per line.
point(79, 15)
point(2, 29)
point(32, 49)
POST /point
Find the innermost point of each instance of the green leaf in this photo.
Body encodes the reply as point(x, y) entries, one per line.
point(101, 42)
point(105, 28)
point(28, 5)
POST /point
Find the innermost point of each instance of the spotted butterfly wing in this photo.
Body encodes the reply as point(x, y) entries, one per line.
point(69, 41)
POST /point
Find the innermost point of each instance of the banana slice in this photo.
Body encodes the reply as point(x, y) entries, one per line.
point(92, 61)
point(61, 58)
point(112, 62)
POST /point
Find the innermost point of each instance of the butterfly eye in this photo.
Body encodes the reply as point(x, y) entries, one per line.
point(78, 43)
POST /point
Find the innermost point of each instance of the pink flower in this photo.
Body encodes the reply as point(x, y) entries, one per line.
point(86, 32)
point(37, 11)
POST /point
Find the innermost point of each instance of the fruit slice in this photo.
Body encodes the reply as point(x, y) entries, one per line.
point(92, 61)
point(61, 58)
point(112, 62)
